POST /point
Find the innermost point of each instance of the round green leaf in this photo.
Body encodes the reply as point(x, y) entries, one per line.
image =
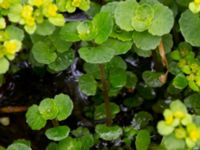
point(108, 133)
point(164, 129)
point(43, 53)
point(70, 144)
point(172, 143)
point(193, 103)
point(117, 45)
point(45, 28)
point(86, 31)
point(63, 61)
point(143, 140)
point(18, 146)
point(124, 13)
point(189, 26)
point(180, 81)
point(152, 78)
point(145, 41)
point(103, 24)
point(34, 118)
point(143, 17)
point(69, 32)
point(141, 119)
point(64, 105)
point(57, 133)
point(100, 112)
point(96, 55)
point(60, 44)
point(4, 63)
point(117, 77)
point(163, 20)
point(88, 84)
point(15, 32)
point(48, 109)
point(117, 62)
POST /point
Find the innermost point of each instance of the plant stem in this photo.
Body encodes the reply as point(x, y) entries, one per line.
point(55, 122)
point(105, 94)
point(163, 77)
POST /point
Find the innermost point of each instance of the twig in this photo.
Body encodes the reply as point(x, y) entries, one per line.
point(163, 77)
point(13, 109)
point(105, 94)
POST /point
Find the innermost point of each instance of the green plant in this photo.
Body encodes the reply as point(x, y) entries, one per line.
point(122, 64)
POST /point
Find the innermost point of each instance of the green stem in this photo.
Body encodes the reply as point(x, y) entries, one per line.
point(105, 94)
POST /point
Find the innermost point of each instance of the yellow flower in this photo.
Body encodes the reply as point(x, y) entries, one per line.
point(27, 11)
point(30, 21)
point(12, 46)
point(76, 3)
point(51, 10)
point(37, 3)
point(197, 1)
point(5, 4)
point(191, 77)
point(179, 114)
point(194, 135)
point(194, 67)
point(169, 118)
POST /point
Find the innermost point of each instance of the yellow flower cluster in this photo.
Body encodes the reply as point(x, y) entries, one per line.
point(195, 6)
point(189, 65)
point(179, 122)
point(8, 47)
point(5, 4)
point(34, 12)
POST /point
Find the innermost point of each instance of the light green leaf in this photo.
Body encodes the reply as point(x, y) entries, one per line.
point(189, 26)
point(4, 63)
point(124, 13)
point(60, 45)
point(63, 61)
point(70, 144)
point(96, 55)
point(88, 84)
point(143, 17)
point(34, 118)
point(172, 143)
point(57, 133)
point(64, 105)
point(117, 45)
point(100, 112)
point(86, 31)
point(69, 32)
point(18, 146)
point(15, 32)
point(58, 20)
point(48, 109)
point(180, 81)
point(145, 41)
point(164, 129)
point(45, 28)
point(163, 20)
point(108, 133)
point(103, 24)
point(143, 140)
point(43, 53)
